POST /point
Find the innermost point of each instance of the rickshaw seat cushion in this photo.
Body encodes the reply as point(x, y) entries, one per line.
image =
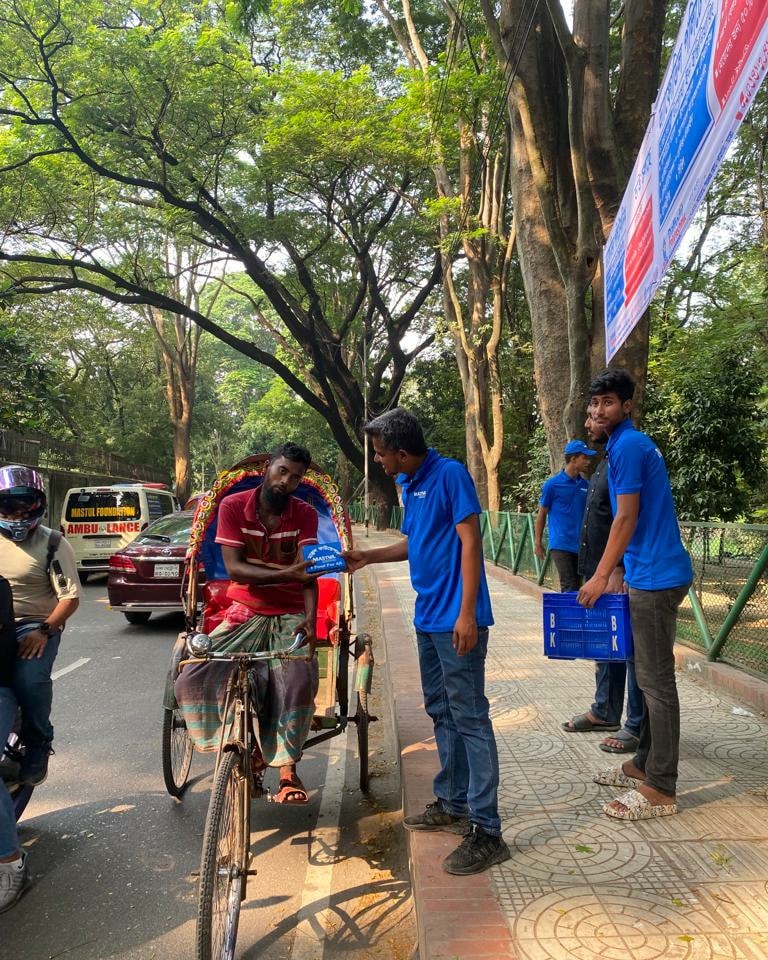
point(215, 603)
point(329, 594)
point(215, 595)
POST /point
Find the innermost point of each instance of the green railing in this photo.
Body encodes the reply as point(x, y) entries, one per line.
point(726, 612)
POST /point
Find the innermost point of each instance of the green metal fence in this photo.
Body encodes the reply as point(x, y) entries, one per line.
point(726, 612)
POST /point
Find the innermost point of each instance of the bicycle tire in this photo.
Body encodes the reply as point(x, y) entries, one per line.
point(176, 751)
point(361, 721)
point(222, 870)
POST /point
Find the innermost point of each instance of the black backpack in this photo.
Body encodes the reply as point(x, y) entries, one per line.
point(52, 565)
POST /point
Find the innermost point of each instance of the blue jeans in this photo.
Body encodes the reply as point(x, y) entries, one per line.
point(611, 677)
point(454, 698)
point(9, 840)
point(33, 687)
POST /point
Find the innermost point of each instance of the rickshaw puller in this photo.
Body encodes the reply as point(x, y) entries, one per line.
point(271, 598)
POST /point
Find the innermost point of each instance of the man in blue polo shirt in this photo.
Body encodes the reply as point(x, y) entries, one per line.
point(563, 499)
point(444, 550)
point(658, 572)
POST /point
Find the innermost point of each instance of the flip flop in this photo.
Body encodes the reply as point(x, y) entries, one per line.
point(291, 791)
point(638, 807)
point(628, 743)
point(615, 777)
point(582, 724)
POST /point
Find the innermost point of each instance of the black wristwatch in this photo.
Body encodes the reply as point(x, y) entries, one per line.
point(45, 627)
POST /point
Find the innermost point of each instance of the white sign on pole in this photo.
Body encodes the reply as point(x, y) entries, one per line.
point(718, 63)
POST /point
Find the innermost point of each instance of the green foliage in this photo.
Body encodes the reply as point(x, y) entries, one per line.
point(703, 412)
point(524, 494)
point(104, 385)
point(433, 393)
point(29, 386)
point(281, 416)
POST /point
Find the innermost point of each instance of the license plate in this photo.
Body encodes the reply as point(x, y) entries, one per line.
point(166, 570)
point(104, 544)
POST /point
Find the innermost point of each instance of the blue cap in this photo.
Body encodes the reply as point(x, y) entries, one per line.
point(578, 446)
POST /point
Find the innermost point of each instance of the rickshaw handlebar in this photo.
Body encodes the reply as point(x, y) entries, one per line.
point(254, 656)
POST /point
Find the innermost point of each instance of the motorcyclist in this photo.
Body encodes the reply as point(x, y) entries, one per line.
point(13, 860)
point(46, 593)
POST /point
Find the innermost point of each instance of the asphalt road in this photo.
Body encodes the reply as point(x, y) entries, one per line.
point(114, 859)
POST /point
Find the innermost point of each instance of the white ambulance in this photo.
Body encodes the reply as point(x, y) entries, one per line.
point(98, 521)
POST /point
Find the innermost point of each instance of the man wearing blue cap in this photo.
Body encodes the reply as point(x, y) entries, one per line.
point(563, 498)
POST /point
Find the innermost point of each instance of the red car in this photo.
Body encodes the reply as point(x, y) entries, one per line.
point(145, 577)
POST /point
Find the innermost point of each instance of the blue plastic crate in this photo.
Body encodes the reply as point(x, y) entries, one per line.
point(603, 632)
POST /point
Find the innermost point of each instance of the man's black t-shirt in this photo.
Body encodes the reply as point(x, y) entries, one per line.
point(597, 521)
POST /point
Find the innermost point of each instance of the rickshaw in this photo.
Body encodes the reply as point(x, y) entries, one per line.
point(225, 862)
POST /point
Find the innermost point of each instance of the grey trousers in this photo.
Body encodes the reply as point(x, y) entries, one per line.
point(654, 618)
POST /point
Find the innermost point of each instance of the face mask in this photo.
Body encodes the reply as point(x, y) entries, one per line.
point(19, 515)
point(18, 530)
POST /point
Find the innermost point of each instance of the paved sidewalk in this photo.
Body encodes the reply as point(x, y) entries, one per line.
point(580, 885)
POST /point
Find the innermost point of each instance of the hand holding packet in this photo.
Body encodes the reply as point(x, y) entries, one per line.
point(324, 558)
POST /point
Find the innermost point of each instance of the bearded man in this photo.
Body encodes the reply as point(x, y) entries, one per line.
point(271, 599)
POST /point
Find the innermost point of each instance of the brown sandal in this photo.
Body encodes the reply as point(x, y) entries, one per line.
point(291, 791)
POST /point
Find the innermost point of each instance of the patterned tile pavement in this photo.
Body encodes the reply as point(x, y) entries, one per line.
point(579, 885)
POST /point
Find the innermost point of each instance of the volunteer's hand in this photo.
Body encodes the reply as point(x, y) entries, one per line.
point(464, 634)
point(616, 582)
point(539, 551)
point(32, 647)
point(592, 590)
point(356, 559)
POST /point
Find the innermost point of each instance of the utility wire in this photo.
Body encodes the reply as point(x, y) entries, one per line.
point(442, 93)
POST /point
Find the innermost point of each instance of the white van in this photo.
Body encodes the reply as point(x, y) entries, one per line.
point(98, 521)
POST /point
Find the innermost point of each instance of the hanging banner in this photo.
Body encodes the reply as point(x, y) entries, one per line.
point(717, 65)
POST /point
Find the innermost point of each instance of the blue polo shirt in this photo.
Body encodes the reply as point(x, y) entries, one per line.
point(655, 558)
point(440, 495)
point(565, 498)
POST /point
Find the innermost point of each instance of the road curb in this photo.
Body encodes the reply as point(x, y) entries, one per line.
point(455, 916)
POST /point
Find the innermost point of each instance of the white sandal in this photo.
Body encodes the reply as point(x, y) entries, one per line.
point(615, 777)
point(638, 807)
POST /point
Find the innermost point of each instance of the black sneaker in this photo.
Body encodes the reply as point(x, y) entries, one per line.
point(478, 851)
point(34, 766)
point(436, 818)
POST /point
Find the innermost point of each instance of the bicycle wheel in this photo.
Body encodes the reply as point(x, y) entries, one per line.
point(177, 752)
point(223, 863)
point(361, 721)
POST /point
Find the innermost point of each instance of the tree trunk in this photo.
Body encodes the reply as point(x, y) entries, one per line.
point(181, 459)
point(546, 298)
point(383, 496)
point(572, 152)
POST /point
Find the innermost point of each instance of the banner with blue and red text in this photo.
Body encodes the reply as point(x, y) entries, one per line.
point(718, 63)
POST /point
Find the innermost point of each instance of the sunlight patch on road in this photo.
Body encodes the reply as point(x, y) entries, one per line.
point(311, 934)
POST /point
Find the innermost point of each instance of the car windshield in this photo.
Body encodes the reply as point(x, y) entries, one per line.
point(173, 529)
